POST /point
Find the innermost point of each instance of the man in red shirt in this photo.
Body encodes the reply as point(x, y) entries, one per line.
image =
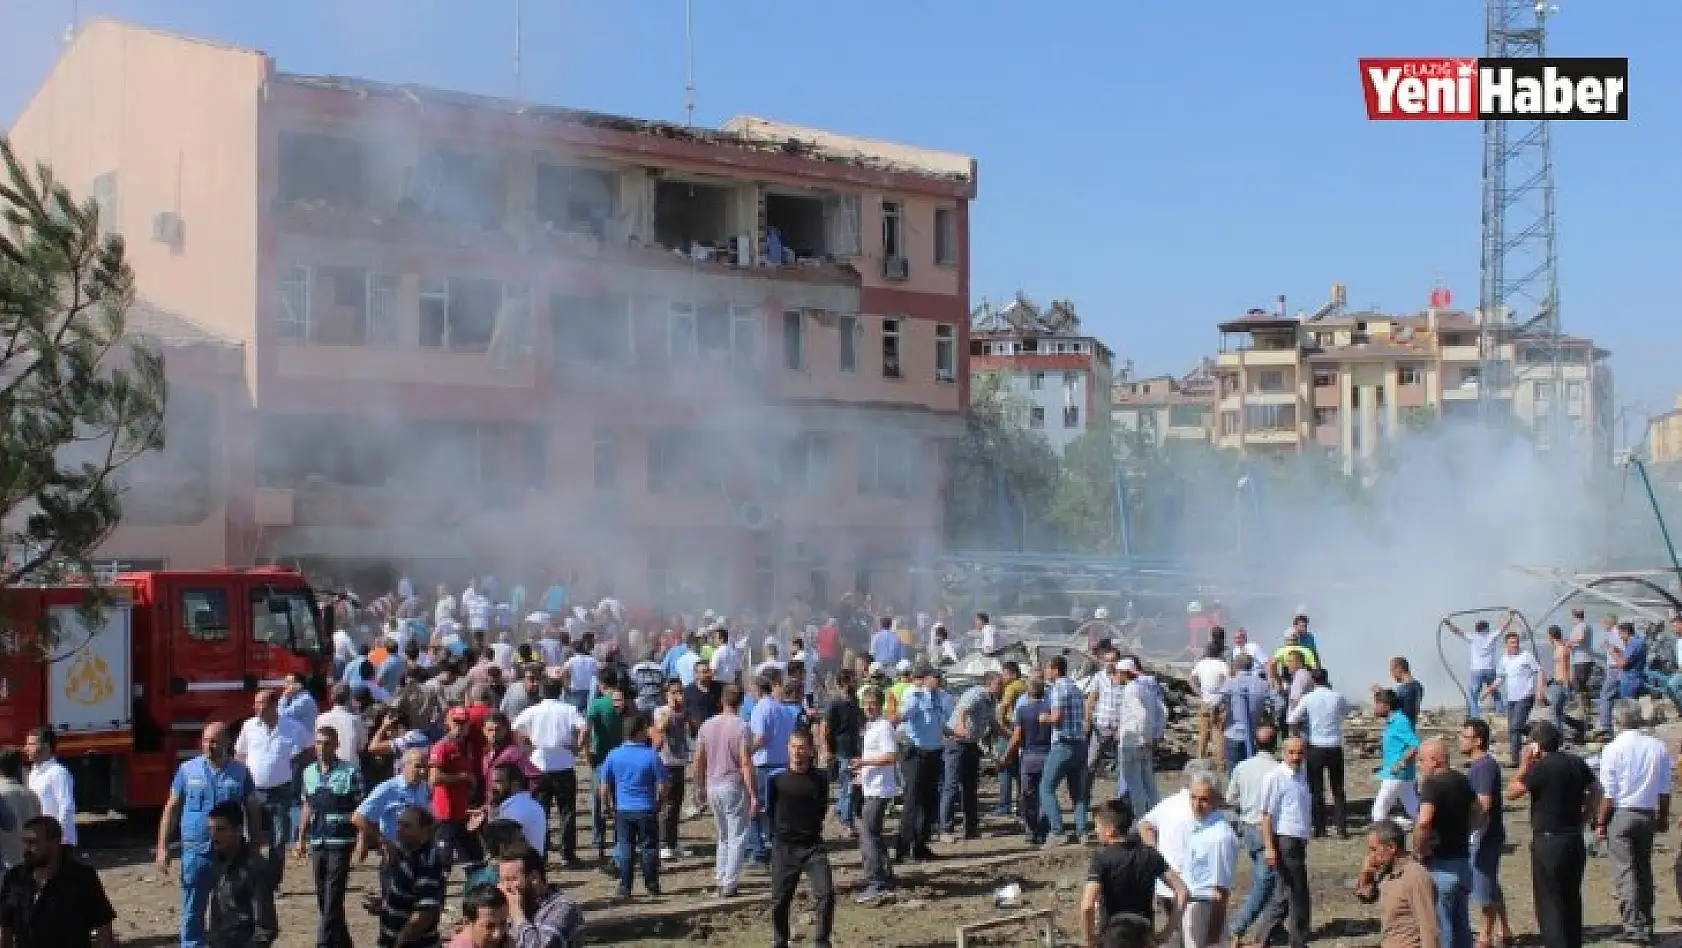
point(500, 748)
point(455, 774)
point(829, 647)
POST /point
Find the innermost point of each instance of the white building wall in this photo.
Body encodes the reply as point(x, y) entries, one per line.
point(1052, 397)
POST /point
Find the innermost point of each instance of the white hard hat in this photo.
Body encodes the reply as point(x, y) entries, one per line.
point(1100, 613)
point(1195, 607)
point(904, 666)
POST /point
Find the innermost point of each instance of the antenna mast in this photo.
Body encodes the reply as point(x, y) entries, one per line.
point(75, 25)
point(1518, 296)
point(519, 87)
point(689, 62)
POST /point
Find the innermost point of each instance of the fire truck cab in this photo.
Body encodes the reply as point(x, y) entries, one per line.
point(175, 650)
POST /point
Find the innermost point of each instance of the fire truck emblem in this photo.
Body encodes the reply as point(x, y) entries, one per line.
point(89, 681)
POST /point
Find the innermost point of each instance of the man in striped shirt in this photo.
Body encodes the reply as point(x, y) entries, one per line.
point(412, 903)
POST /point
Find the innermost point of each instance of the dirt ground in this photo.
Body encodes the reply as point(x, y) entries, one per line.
point(931, 902)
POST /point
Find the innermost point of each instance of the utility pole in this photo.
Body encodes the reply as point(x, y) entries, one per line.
point(689, 63)
point(519, 85)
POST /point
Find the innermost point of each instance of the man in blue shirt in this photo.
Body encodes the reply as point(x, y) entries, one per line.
point(1400, 747)
point(199, 785)
point(774, 718)
point(884, 645)
point(633, 782)
point(923, 717)
point(376, 817)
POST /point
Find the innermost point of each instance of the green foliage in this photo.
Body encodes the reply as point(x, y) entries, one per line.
point(1001, 474)
point(1083, 502)
point(78, 400)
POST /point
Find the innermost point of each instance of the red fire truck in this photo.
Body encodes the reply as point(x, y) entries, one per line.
point(173, 651)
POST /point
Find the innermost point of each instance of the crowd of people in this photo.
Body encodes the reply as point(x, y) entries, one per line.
point(459, 743)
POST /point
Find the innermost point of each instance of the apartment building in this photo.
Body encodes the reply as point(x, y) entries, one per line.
point(1347, 382)
point(486, 334)
point(1156, 412)
point(1664, 437)
point(1056, 378)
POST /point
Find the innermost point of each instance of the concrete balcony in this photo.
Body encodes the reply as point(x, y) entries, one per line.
point(1285, 397)
point(1327, 396)
point(1465, 393)
point(1259, 357)
point(1460, 354)
point(1232, 402)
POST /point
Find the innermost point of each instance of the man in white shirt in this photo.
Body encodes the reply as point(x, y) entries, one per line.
point(1485, 645)
point(1170, 824)
point(1136, 755)
point(511, 800)
point(272, 747)
point(986, 634)
point(1287, 817)
point(1210, 861)
point(1635, 773)
point(352, 731)
point(877, 776)
point(1518, 679)
point(1322, 710)
point(580, 672)
point(51, 781)
point(1245, 793)
point(1242, 644)
point(1208, 675)
point(726, 661)
point(554, 734)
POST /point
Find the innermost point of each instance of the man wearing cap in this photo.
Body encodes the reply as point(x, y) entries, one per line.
point(924, 713)
point(1135, 739)
point(455, 769)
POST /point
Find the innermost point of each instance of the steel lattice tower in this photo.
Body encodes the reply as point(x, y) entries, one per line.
point(1519, 287)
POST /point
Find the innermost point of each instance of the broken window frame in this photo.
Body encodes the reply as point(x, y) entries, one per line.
point(893, 229)
point(434, 291)
point(1071, 416)
point(945, 352)
point(440, 188)
point(1036, 417)
point(794, 340)
point(681, 342)
point(841, 213)
point(945, 237)
point(747, 326)
point(713, 328)
point(893, 353)
point(293, 322)
point(383, 312)
point(885, 466)
point(570, 220)
point(847, 350)
point(512, 334)
point(350, 186)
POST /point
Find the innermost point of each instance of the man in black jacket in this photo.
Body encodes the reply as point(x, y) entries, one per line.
point(242, 911)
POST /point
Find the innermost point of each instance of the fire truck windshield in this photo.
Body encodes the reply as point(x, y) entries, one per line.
point(286, 617)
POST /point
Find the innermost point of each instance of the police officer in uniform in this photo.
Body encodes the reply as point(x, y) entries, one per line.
point(200, 784)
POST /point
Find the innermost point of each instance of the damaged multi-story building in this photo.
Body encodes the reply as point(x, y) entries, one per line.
point(1156, 412)
point(479, 334)
point(1054, 377)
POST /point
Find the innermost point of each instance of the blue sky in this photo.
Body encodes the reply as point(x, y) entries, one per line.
point(1164, 165)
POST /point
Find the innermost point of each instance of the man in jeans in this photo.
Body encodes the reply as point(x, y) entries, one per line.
point(724, 777)
point(973, 722)
point(878, 780)
point(1066, 761)
point(839, 734)
point(1244, 793)
point(774, 718)
point(268, 746)
point(633, 783)
point(1448, 813)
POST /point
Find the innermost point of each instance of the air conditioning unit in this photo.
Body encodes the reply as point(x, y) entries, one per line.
point(895, 268)
point(168, 228)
